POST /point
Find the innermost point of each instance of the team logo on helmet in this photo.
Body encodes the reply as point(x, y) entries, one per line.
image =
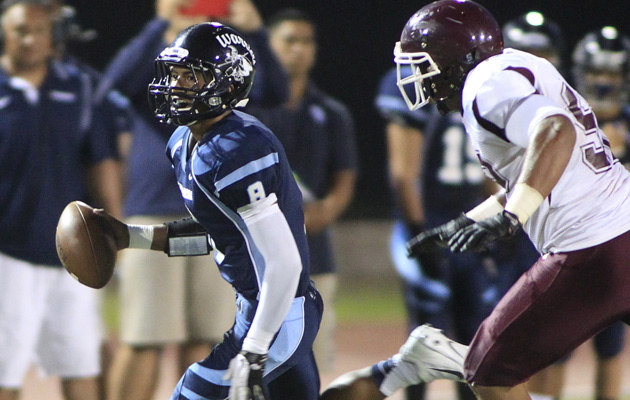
point(241, 67)
point(174, 54)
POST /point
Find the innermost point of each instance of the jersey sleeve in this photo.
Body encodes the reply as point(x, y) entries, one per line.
point(242, 176)
point(511, 102)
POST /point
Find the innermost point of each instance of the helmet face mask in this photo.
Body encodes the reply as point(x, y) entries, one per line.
point(422, 69)
point(443, 42)
point(208, 70)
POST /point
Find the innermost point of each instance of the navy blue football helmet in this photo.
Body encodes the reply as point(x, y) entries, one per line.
point(222, 64)
point(601, 69)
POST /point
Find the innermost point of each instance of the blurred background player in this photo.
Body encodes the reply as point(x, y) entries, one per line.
point(434, 174)
point(54, 149)
point(596, 59)
point(601, 68)
point(536, 34)
point(181, 300)
point(317, 133)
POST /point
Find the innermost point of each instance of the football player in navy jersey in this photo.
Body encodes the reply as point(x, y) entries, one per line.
point(434, 175)
point(169, 301)
point(237, 184)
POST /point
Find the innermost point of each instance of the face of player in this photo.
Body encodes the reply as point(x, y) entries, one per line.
point(184, 78)
point(27, 35)
point(293, 42)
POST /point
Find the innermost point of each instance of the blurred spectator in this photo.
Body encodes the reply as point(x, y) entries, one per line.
point(434, 174)
point(164, 300)
point(54, 150)
point(317, 133)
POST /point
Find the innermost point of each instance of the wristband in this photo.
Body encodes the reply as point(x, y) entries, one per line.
point(524, 201)
point(140, 236)
point(490, 207)
point(186, 237)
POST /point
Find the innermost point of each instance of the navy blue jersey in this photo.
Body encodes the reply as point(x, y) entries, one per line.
point(238, 157)
point(451, 177)
point(48, 137)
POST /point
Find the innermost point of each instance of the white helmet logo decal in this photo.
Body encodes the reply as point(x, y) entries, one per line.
point(241, 65)
point(174, 54)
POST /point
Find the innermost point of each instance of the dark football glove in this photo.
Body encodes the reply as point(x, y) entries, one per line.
point(246, 372)
point(478, 235)
point(429, 261)
point(430, 240)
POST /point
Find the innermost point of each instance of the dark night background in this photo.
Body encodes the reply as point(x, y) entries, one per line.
point(356, 39)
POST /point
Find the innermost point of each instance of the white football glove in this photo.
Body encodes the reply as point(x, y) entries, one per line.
point(246, 372)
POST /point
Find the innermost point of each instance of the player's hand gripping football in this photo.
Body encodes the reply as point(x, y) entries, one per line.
point(428, 241)
point(118, 228)
point(478, 235)
point(246, 372)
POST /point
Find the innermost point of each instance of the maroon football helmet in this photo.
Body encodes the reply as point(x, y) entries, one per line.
point(441, 43)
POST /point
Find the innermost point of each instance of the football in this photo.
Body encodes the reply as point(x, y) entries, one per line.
point(85, 245)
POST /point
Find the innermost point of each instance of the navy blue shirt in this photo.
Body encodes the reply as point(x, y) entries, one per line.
point(150, 184)
point(214, 177)
point(451, 177)
point(318, 137)
point(48, 137)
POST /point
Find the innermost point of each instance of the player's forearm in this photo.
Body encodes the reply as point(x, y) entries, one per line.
point(322, 213)
point(491, 206)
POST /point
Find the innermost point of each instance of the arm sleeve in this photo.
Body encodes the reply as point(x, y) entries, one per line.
point(272, 235)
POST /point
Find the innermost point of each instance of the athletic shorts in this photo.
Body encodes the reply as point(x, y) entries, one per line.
point(48, 318)
point(290, 371)
point(562, 301)
point(171, 299)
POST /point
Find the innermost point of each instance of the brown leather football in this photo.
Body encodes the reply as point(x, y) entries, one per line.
point(85, 245)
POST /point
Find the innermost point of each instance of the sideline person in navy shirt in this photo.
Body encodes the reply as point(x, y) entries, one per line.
point(53, 150)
